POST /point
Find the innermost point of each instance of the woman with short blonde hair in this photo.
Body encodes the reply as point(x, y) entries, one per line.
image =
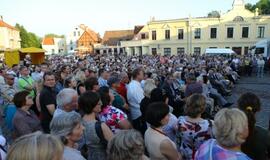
point(36, 146)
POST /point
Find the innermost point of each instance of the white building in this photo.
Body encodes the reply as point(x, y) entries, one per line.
point(54, 45)
point(72, 38)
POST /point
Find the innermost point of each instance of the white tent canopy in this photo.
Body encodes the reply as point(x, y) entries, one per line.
point(218, 51)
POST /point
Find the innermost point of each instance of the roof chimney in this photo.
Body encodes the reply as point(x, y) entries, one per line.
point(1, 17)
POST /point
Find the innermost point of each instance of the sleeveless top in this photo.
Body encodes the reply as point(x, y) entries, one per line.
point(153, 140)
point(96, 149)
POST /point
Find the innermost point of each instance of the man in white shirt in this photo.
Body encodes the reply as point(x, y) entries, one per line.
point(260, 68)
point(135, 95)
point(67, 101)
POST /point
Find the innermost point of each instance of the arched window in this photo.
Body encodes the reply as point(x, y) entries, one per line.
point(238, 19)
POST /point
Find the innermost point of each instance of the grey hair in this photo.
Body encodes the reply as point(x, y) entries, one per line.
point(63, 124)
point(228, 126)
point(65, 97)
point(126, 144)
point(149, 85)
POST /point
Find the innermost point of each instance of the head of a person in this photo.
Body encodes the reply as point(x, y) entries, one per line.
point(49, 79)
point(157, 114)
point(138, 74)
point(15, 67)
point(36, 146)
point(24, 71)
point(44, 67)
point(126, 144)
point(106, 96)
point(67, 99)
point(89, 102)
point(104, 74)
point(91, 84)
point(9, 79)
point(67, 127)
point(159, 95)
point(80, 76)
point(190, 78)
point(65, 70)
point(70, 82)
point(23, 99)
point(169, 78)
point(230, 127)
point(195, 105)
point(149, 85)
point(114, 82)
point(124, 77)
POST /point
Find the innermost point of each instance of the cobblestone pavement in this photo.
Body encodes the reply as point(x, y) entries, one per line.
point(259, 86)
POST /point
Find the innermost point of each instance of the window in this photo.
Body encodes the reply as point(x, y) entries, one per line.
point(227, 47)
point(71, 48)
point(230, 32)
point(154, 51)
point(74, 34)
point(197, 33)
point(197, 50)
point(180, 50)
point(180, 34)
point(261, 30)
point(154, 35)
point(167, 51)
point(167, 34)
point(70, 42)
point(143, 36)
point(213, 33)
point(79, 34)
point(245, 32)
point(212, 47)
point(238, 19)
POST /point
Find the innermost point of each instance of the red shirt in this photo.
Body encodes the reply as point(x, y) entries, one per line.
point(122, 90)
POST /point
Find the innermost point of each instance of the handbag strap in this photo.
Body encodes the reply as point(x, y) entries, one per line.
point(100, 133)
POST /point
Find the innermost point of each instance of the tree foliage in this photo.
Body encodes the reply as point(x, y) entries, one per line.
point(262, 5)
point(52, 35)
point(213, 14)
point(28, 39)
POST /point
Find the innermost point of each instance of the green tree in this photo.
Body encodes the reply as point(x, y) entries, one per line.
point(213, 14)
point(52, 35)
point(262, 5)
point(28, 39)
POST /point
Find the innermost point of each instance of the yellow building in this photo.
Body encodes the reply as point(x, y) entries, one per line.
point(9, 36)
point(238, 29)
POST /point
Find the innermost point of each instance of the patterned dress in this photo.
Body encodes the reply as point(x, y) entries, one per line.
point(191, 135)
point(112, 116)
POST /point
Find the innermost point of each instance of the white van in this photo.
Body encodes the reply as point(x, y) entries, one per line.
point(262, 48)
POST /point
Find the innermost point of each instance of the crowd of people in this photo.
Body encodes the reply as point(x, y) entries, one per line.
point(120, 107)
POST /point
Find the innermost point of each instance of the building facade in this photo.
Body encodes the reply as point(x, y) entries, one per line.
point(238, 29)
point(87, 41)
point(54, 45)
point(9, 36)
point(72, 38)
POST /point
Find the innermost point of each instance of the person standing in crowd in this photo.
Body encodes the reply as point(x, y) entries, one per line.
point(25, 121)
point(91, 84)
point(122, 89)
point(126, 145)
point(70, 82)
point(47, 100)
point(69, 129)
point(135, 96)
point(257, 144)
point(119, 101)
point(115, 118)
point(192, 129)
point(64, 72)
point(67, 101)
point(260, 67)
point(103, 77)
point(26, 82)
point(36, 146)
point(230, 129)
point(192, 86)
point(36, 75)
point(157, 143)
point(96, 134)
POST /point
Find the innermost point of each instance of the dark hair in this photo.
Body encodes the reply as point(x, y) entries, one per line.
point(67, 81)
point(250, 104)
point(20, 98)
point(90, 83)
point(158, 95)
point(155, 112)
point(22, 67)
point(136, 72)
point(100, 71)
point(48, 74)
point(88, 101)
point(195, 105)
point(104, 93)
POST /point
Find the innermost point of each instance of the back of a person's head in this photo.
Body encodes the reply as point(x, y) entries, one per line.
point(158, 95)
point(88, 101)
point(136, 72)
point(126, 144)
point(104, 93)
point(36, 146)
point(149, 85)
point(229, 127)
point(90, 83)
point(65, 96)
point(195, 105)
point(155, 112)
point(19, 98)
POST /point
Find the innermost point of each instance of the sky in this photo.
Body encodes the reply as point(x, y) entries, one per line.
point(61, 16)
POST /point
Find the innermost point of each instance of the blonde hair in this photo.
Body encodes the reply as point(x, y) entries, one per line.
point(36, 146)
point(149, 85)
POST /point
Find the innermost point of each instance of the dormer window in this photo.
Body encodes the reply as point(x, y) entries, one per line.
point(238, 19)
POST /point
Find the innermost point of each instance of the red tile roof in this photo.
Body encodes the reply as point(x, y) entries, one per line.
point(48, 41)
point(4, 24)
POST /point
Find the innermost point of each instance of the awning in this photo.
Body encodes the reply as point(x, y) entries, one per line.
point(32, 50)
point(213, 51)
